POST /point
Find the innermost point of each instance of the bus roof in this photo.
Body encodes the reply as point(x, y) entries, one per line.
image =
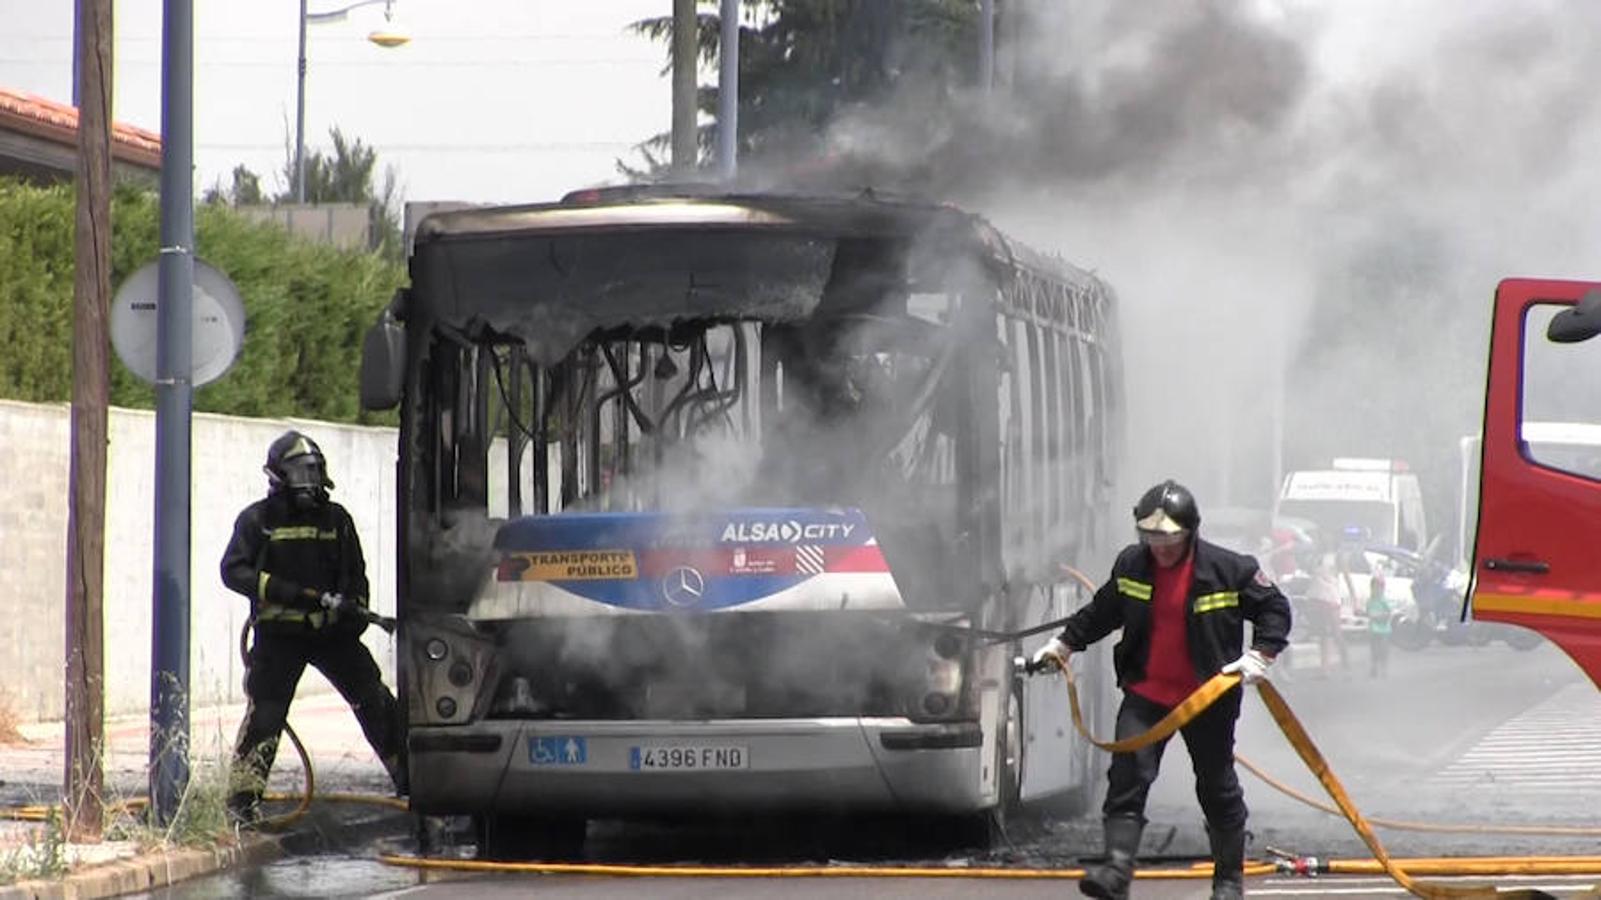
point(553, 272)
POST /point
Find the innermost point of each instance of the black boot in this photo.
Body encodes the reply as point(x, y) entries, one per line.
point(1110, 880)
point(1228, 863)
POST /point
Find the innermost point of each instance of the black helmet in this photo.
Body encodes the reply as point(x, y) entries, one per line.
point(1169, 507)
point(295, 463)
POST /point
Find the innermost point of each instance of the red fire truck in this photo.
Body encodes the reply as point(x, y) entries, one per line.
point(1537, 552)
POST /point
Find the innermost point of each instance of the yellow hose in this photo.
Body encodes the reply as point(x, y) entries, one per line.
point(473, 865)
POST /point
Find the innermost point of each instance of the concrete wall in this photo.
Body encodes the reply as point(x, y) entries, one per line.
point(347, 225)
point(228, 454)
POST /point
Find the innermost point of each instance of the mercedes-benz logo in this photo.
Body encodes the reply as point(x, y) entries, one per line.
point(683, 587)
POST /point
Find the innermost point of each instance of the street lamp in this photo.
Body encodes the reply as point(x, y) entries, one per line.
point(384, 37)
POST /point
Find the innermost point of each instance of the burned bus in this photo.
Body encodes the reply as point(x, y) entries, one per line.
point(736, 504)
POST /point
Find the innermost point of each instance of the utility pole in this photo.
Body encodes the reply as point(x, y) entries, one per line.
point(986, 44)
point(686, 35)
point(169, 622)
point(300, 112)
point(728, 91)
point(91, 394)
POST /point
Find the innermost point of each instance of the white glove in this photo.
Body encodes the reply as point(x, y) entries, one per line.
point(1053, 655)
point(333, 602)
point(1252, 667)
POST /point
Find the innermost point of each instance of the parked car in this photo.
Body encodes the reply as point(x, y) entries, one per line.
point(1433, 609)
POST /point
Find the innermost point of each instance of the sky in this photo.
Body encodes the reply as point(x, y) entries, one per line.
point(492, 100)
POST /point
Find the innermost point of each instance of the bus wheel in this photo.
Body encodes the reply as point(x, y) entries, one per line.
point(508, 838)
point(1009, 756)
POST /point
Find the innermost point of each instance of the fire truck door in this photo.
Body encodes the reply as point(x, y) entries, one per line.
point(1537, 555)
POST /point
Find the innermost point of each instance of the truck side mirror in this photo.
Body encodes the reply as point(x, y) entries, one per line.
point(1580, 323)
point(383, 363)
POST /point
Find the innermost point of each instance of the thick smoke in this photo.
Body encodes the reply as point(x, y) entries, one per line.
point(1304, 207)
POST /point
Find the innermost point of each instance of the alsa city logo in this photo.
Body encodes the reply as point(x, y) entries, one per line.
point(790, 532)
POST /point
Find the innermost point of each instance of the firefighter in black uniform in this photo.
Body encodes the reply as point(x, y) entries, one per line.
point(296, 555)
point(1182, 604)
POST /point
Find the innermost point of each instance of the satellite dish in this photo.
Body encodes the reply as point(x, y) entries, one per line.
point(219, 323)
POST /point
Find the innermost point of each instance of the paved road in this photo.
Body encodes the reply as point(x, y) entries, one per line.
point(1452, 735)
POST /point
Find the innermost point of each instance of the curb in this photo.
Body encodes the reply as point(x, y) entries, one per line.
point(146, 872)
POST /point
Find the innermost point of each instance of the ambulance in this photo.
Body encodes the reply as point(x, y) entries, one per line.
point(1357, 500)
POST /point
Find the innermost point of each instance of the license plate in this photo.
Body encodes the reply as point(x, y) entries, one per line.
point(688, 758)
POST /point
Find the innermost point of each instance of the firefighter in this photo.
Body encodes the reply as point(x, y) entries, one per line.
point(1182, 604)
point(296, 555)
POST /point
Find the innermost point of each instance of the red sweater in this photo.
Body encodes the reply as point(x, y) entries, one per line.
point(1169, 672)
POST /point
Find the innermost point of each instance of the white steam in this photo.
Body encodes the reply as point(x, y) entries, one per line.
point(1296, 200)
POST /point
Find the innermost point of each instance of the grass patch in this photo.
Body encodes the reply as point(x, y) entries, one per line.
point(43, 855)
point(201, 819)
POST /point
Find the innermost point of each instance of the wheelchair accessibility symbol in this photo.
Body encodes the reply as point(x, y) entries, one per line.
point(558, 750)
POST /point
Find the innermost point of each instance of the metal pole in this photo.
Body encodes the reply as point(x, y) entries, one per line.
point(685, 59)
point(986, 44)
point(300, 112)
point(169, 627)
point(77, 23)
point(728, 92)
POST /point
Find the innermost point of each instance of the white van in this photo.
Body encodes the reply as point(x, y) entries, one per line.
point(1375, 501)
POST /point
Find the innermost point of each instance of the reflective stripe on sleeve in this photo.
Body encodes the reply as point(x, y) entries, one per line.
point(1216, 601)
point(1139, 590)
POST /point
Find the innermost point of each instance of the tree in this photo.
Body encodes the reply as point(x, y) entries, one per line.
point(245, 191)
point(808, 62)
point(345, 176)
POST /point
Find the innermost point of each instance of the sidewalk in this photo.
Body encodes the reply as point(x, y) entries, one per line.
point(31, 773)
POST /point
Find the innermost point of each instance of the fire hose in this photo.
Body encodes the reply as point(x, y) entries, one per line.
point(304, 798)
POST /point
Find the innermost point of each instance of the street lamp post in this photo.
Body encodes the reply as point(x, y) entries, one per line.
point(384, 38)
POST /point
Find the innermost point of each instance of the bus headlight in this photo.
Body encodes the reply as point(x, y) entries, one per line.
point(945, 676)
point(451, 666)
point(941, 688)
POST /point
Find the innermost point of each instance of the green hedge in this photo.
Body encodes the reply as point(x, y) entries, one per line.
point(307, 305)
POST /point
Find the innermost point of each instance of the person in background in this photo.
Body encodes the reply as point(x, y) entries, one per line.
point(1182, 604)
point(1380, 614)
point(1323, 596)
point(296, 555)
